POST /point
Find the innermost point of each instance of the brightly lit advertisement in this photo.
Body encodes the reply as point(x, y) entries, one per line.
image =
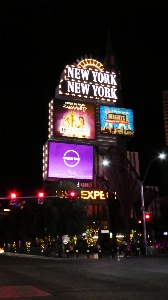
point(70, 161)
point(88, 83)
point(94, 195)
point(114, 120)
point(73, 119)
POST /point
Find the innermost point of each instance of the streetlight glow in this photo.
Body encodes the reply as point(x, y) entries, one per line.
point(105, 162)
point(162, 156)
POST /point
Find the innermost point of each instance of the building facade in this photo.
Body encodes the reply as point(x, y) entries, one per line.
point(165, 114)
point(133, 157)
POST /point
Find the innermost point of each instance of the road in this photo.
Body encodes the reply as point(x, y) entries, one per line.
point(141, 278)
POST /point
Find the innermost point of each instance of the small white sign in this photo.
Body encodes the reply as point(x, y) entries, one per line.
point(104, 231)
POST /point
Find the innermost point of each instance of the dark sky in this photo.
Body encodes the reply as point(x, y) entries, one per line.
point(39, 38)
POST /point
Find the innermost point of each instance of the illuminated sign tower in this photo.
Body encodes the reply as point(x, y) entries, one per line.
point(86, 117)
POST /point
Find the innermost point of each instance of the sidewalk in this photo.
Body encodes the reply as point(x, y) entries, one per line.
point(80, 256)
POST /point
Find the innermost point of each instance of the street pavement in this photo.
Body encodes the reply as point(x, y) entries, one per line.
point(118, 278)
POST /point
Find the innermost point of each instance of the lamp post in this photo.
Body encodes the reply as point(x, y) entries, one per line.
point(141, 183)
point(161, 156)
point(143, 216)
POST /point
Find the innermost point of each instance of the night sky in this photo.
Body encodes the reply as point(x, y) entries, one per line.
point(39, 38)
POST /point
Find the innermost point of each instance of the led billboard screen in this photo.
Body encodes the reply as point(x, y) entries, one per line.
point(114, 120)
point(73, 119)
point(70, 161)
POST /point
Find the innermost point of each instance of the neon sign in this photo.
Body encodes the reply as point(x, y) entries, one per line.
point(88, 83)
point(94, 195)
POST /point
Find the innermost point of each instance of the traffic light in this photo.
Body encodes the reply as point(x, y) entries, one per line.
point(12, 199)
point(40, 198)
point(148, 216)
point(139, 222)
point(72, 195)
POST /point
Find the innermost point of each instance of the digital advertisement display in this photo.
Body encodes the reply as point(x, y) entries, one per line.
point(114, 120)
point(74, 119)
point(70, 161)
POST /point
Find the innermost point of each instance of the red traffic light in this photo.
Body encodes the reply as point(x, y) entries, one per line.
point(13, 196)
point(40, 197)
point(148, 216)
point(72, 195)
point(139, 221)
point(13, 199)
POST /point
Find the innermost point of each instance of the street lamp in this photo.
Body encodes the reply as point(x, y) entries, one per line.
point(141, 183)
point(161, 156)
point(106, 163)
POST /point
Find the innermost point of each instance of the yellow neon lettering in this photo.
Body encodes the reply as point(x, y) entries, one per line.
point(96, 194)
point(84, 194)
point(102, 196)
